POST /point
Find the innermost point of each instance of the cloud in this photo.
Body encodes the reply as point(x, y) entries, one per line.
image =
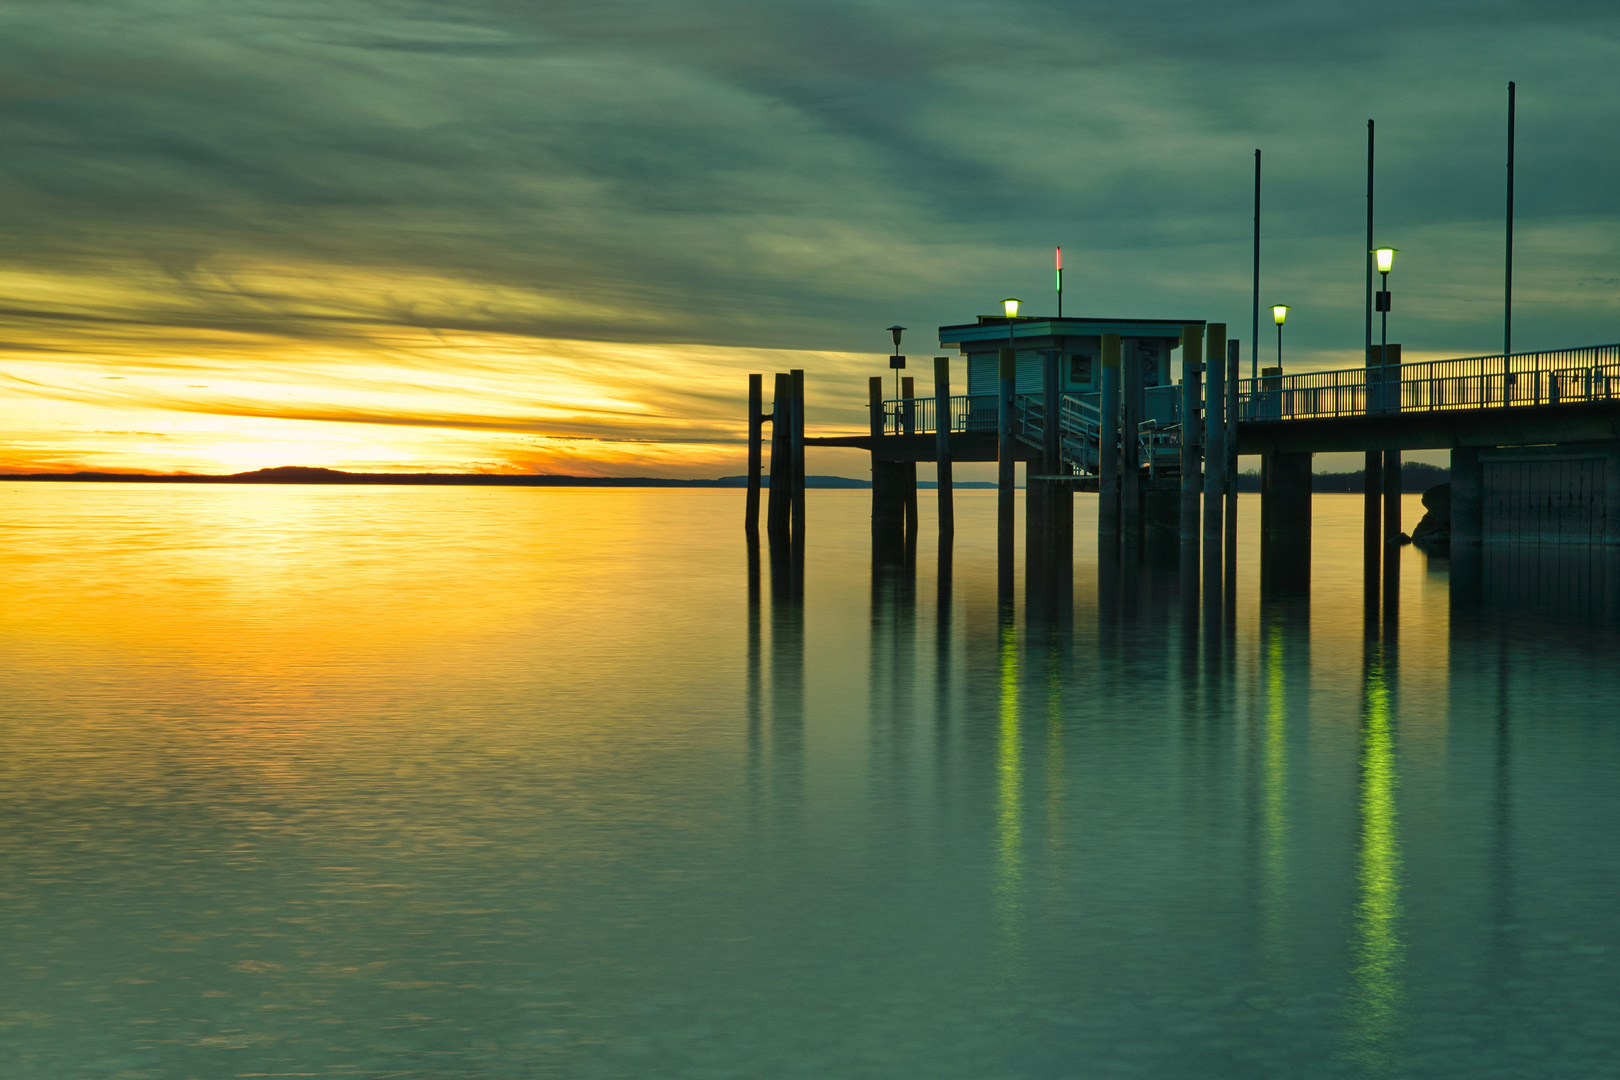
point(301, 186)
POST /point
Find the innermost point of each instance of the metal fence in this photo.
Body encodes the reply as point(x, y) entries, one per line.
point(1555, 377)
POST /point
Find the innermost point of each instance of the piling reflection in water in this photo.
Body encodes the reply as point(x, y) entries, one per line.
point(787, 676)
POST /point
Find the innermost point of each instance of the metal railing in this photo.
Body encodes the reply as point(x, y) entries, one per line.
point(917, 416)
point(1559, 376)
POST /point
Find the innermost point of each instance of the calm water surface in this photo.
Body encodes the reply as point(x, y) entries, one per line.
point(415, 782)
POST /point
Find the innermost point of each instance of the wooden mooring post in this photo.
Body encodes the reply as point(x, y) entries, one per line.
point(796, 435)
point(756, 426)
point(908, 479)
point(942, 446)
point(1192, 363)
point(1108, 448)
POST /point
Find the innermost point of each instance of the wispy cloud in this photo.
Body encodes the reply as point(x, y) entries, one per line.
point(415, 216)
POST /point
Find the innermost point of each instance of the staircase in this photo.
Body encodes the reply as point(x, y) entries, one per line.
point(1079, 433)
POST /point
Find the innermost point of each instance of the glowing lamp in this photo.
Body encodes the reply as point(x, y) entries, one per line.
point(1386, 259)
point(1010, 306)
point(1279, 314)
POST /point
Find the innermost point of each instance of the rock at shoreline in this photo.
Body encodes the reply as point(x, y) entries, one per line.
point(1434, 531)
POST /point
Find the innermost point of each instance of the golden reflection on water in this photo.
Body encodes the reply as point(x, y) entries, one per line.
point(1379, 992)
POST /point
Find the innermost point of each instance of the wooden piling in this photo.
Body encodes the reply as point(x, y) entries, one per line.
point(1214, 435)
point(797, 435)
point(1008, 370)
point(908, 426)
point(778, 507)
point(756, 426)
point(1108, 440)
point(942, 445)
point(1372, 528)
point(1192, 362)
point(1130, 446)
point(1214, 469)
point(888, 501)
point(1234, 362)
point(1392, 536)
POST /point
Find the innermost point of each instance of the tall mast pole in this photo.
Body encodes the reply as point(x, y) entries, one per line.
point(1367, 254)
point(1507, 289)
point(1254, 321)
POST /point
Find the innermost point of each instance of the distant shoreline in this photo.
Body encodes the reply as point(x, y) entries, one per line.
point(299, 474)
point(1415, 477)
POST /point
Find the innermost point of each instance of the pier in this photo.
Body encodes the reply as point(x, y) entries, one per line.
point(1152, 416)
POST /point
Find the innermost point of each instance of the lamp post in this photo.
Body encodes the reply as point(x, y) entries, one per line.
point(896, 361)
point(1010, 307)
point(1385, 258)
point(1279, 315)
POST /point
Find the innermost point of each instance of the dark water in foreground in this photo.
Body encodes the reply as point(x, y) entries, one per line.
point(414, 782)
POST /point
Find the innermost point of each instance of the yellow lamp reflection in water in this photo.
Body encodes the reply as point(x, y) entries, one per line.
point(1009, 864)
point(1379, 990)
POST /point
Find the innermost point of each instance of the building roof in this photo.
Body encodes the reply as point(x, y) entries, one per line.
point(992, 329)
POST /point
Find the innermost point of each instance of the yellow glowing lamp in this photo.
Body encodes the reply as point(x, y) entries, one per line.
point(1386, 258)
point(1279, 314)
point(1010, 306)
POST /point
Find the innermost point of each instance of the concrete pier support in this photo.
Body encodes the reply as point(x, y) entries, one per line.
point(1285, 523)
point(1467, 498)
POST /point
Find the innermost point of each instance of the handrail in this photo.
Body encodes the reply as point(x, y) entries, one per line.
point(915, 416)
point(1551, 377)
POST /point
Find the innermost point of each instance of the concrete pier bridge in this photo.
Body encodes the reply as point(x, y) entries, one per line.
point(1092, 405)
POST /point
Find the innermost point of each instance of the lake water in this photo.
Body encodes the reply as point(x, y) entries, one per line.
point(459, 782)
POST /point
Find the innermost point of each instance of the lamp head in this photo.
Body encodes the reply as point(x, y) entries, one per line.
point(1279, 313)
point(1386, 258)
point(1010, 306)
point(896, 331)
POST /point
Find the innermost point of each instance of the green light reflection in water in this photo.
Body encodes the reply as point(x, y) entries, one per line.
point(1009, 863)
point(1378, 994)
point(1274, 789)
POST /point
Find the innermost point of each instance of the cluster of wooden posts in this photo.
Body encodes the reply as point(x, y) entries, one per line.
point(784, 514)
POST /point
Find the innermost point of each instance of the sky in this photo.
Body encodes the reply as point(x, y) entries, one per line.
point(513, 236)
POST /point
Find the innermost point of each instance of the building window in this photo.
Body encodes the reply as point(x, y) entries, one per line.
point(1148, 352)
point(1080, 365)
